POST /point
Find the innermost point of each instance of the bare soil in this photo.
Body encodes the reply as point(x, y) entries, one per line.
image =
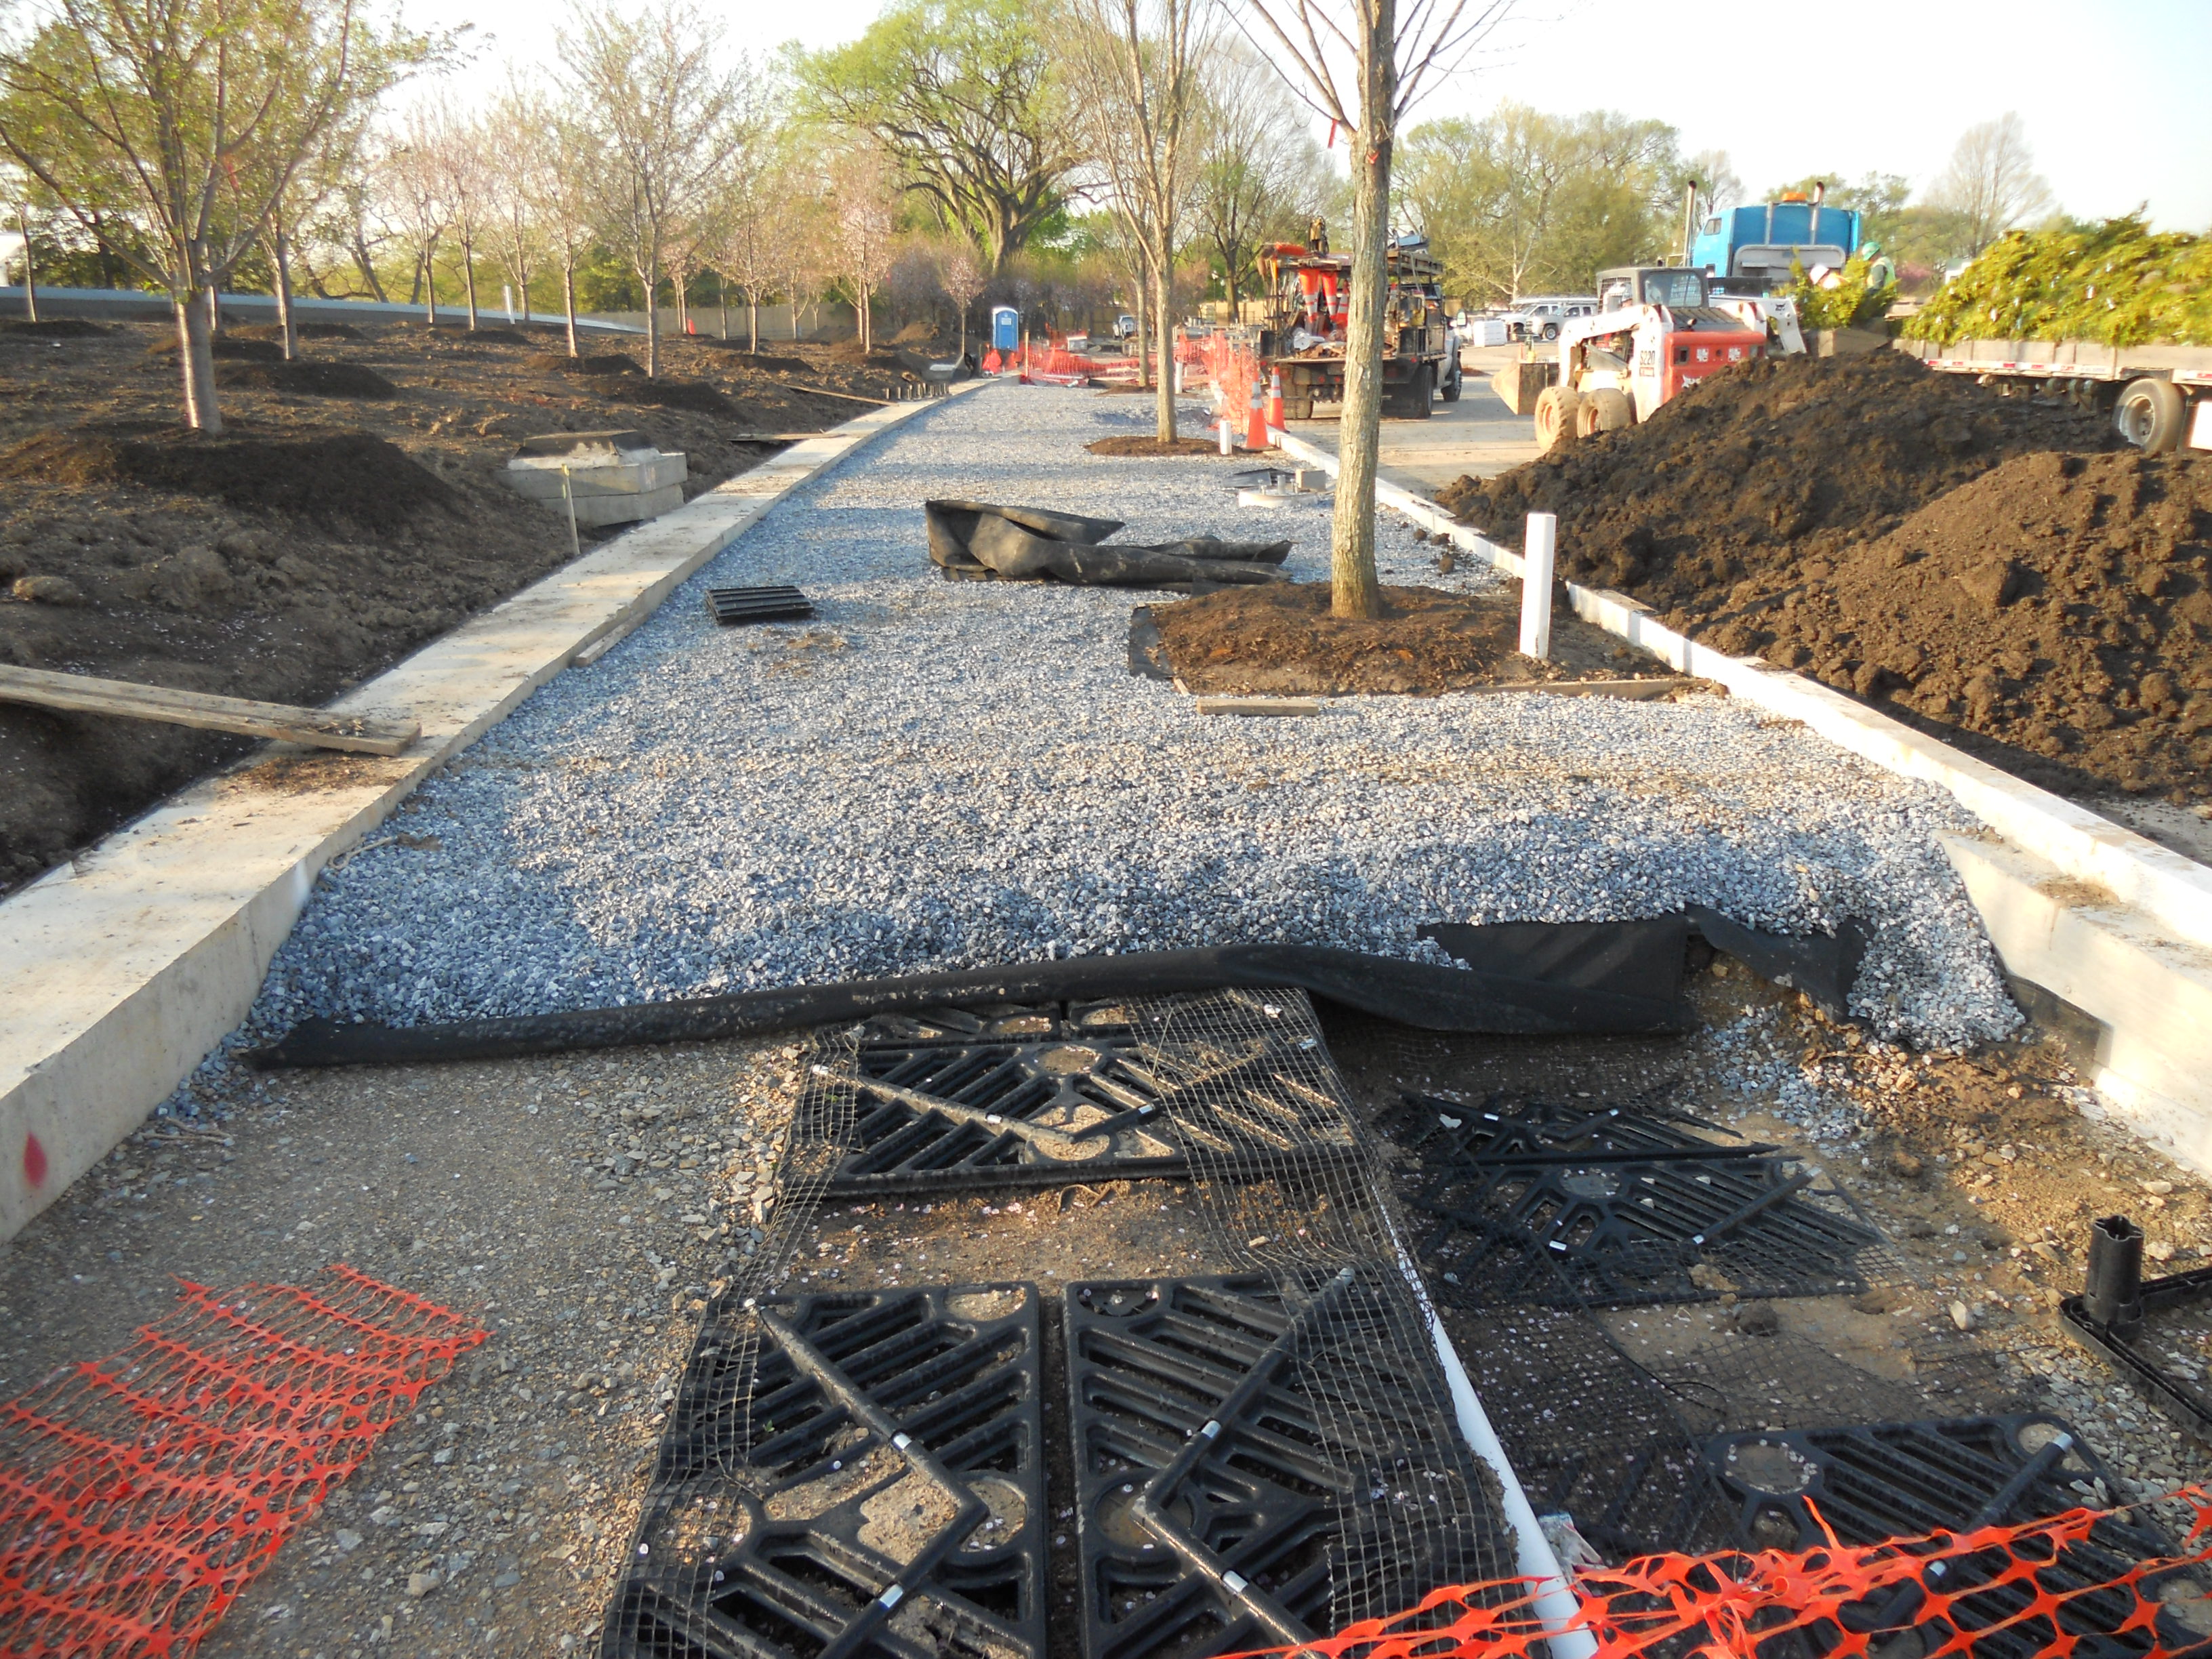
point(1280, 639)
point(1153, 449)
point(351, 512)
point(1998, 569)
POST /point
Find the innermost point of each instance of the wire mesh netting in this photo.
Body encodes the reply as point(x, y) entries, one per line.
point(140, 1493)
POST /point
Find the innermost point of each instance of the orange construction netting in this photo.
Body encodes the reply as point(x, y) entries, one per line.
point(2016, 1590)
point(1232, 369)
point(141, 1493)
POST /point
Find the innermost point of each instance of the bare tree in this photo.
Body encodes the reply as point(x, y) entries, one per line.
point(455, 143)
point(557, 170)
point(1359, 65)
point(415, 187)
point(864, 205)
point(1254, 160)
point(753, 250)
point(518, 128)
point(1991, 183)
point(960, 274)
point(668, 115)
point(162, 100)
point(1139, 63)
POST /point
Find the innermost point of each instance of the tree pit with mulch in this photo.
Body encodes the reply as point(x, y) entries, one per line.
point(1279, 640)
point(1153, 449)
point(311, 378)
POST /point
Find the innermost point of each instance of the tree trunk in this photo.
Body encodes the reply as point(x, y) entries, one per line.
point(651, 277)
point(1355, 590)
point(195, 357)
point(30, 268)
point(288, 335)
point(1144, 363)
point(430, 285)
point(106, 255)
point(722, 302)
point(569, 298)
point(1163, 407)
point(752, 321)
point(469, 279)
point(368, 269)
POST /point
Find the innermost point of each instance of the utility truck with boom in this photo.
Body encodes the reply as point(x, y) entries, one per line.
point(1655, 335)
point(1308, 305)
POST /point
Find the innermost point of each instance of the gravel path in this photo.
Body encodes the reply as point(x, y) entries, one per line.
point(936, 774)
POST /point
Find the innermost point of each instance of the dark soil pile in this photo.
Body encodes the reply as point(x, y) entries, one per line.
point(1152, 448)
point(665, 393)
point(303, 330)
point(53, 328)
point(1778, 461)
point(560, 362)
point(763, 361)
point(2054, 615)
point(1279, 640)
point(238, 348)
point(284, 560)
point(338, 478)
point(313, 378)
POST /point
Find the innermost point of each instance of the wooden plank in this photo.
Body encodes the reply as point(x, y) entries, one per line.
point(82, 693)
point(1258, 705)
point(849, 396)
point(1660, 686)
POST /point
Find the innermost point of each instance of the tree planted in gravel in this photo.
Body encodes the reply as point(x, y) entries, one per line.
point(962, 95)
point(162, 101)
point(1358, 64)
point(1137, 64)
point(651, 90)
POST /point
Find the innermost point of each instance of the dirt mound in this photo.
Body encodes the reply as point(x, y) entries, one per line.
point(1152, 448)
point(236, 347)
point(1280, 639)
point(2053, 616)
point(1775, 462)
point(773, 365)
point(314, 380)
point(560, 362)
point(498, 336)
point(850, 351)
point(304, 331)
point(340, 477)
point(696, 396)
point(53, 328)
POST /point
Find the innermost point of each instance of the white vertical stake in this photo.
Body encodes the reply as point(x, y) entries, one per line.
point(1536, 551)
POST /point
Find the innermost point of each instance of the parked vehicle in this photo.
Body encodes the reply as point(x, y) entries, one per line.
point(1540, 318)
point(1655, 336)
point(2159, 396)
point(1307, 308)
point(1750, 250)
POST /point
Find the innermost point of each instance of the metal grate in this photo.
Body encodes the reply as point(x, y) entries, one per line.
point(1234, 1454)
point(1876, 1481)
point(866, 1474)
point(2169, 1356)
point(1291, 1194)
point(731, 606)
point(1566, 1207)
point(1040, 1096)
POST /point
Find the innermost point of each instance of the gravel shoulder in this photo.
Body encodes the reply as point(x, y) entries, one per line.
point(935, 774)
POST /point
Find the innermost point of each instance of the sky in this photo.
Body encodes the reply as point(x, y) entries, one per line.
point(2111, 91)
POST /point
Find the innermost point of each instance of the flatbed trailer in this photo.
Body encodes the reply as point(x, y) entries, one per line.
point(2159, 396)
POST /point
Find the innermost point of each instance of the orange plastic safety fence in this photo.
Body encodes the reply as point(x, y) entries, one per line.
point(1232, 369)
point(2006, 1586)
point(141, 1493)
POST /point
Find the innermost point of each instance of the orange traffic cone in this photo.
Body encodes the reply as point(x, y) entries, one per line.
point(1255, 426)
point(1275, 399)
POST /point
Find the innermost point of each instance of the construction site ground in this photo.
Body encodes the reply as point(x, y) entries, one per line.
point(932, 774)
point(1476, 436)
point(582, 1208)
point(323, 536)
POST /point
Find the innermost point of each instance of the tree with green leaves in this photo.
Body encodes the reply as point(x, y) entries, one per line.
point(195, 115)
point(963, 96)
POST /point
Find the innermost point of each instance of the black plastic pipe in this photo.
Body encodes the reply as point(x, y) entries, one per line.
point(2113, 1296)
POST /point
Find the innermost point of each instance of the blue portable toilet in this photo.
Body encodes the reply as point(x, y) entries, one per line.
point(1006, 328)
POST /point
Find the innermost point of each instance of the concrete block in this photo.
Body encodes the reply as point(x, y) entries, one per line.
point(2149, 996)
point(1844, 342)
point(637, 475)
point(1517, 384)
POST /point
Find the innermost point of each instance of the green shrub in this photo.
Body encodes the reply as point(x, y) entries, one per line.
point(2118, 284)
point(1852, 303)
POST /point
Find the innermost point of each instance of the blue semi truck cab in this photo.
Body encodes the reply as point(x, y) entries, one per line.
point(1749, 250)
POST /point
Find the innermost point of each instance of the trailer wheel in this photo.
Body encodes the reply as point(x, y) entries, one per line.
point(2151, 415)
point(1557, 407)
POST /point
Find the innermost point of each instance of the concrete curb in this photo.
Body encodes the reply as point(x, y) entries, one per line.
point(2126, 891)
point(120, 971)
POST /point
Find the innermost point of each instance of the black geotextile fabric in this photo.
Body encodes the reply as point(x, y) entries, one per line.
point(1031, 543)
point(1411, 992)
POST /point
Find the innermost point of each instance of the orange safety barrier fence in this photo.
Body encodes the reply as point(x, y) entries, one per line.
point(140, 1493)
point(1232, 369)
point(2016, 1588)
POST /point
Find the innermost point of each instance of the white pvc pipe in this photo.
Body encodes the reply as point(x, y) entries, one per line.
point(1536, 552)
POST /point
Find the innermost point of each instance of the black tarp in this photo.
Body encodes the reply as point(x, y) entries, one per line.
point(1031, 543)
point(1411, 992)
